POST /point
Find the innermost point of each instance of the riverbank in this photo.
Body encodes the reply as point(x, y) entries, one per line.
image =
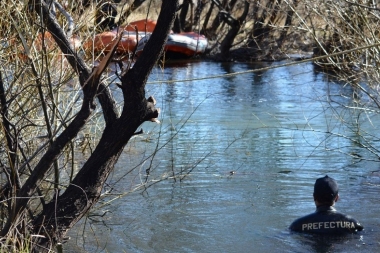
point(295, 45)
point(246, 54)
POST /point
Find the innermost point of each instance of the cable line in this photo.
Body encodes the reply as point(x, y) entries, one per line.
point(267, 68)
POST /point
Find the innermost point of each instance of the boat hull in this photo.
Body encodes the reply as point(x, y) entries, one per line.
point(184, 45)
point(143, 25)
point(102, 43)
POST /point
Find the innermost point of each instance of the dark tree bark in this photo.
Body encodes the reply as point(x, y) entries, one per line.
point(177, 25)
point(288, 22)
point(261, 29)
point(183, 14)
point(63, 211)
point(235, 25)
point(198, 11)
point(185, 23)
point(217, 21)
point(182, 23)
point(207, 18)
point(105, 16)
point(136, 4)
point(86, 187)
point(224, 7)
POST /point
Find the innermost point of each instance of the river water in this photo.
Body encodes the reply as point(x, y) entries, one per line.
point(249, 148)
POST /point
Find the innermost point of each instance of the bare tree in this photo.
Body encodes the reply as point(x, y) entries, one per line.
point(33, 206)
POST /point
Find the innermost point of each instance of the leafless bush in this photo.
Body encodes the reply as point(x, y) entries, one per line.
point(49, 118)
point(42, 91)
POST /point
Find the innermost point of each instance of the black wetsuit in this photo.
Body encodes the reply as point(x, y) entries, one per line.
point(326, 220)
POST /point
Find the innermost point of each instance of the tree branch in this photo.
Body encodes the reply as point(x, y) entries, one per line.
point(69, 18)
point(5, 121)
point(85, 189)
point(90, 87)
point(235, 24)
point(104, 95)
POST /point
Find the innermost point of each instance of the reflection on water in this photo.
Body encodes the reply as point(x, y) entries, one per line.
point(277, 130)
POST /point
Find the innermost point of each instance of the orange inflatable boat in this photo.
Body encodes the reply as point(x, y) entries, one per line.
point(180, 45)
point(102, 42)
point(143, 25)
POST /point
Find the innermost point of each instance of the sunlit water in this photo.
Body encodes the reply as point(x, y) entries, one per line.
point(254, 143)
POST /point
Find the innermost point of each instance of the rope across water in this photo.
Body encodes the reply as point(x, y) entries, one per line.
point(267, 68)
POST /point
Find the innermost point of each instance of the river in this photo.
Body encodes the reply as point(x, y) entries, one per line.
point(246, 150)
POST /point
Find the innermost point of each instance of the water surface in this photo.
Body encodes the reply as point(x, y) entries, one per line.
point(254, 144)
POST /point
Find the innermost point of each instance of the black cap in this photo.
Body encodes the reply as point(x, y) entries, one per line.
point(325, 189)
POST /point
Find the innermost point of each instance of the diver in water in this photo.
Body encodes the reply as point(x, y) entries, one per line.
point(326, 220)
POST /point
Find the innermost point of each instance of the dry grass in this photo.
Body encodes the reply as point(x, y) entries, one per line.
point(38, 79)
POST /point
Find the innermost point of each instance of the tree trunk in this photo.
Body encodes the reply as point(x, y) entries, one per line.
point(64, 210)
point(288, 22)
point(207, 18)
point(235, 25)
point(136, 4)
point(260, 30)
point(183, 15)
point(176, 25)
point(198, 12)
point(216, 22)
